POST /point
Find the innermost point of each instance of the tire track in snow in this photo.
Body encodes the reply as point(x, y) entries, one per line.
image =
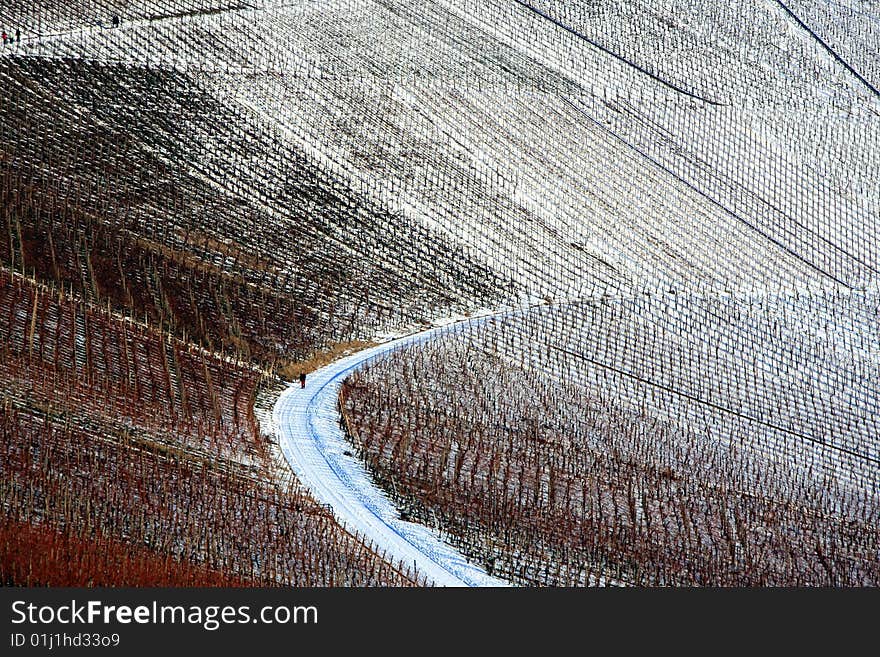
point(311, 438)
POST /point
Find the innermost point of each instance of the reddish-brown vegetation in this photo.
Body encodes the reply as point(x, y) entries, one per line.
point(33, 555)
point(162, 253)
point(115, 435)
point(547, 483)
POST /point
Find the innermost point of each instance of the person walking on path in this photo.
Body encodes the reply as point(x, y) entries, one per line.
point(302, 379)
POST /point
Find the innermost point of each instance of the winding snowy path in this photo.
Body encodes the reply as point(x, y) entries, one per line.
point(313, 443)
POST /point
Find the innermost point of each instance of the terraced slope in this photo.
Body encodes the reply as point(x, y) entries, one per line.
point(218, 229)
point(264, 178)
point(661, 440)
point(568, 122)
point(133, 196)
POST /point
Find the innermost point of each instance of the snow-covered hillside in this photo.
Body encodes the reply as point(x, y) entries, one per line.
point(689, 186)
point(572, 146)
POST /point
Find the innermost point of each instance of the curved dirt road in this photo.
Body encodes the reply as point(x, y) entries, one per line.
point(313, 443)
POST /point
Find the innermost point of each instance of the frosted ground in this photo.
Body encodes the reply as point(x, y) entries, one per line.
point(477, 116)
point(691, 184)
